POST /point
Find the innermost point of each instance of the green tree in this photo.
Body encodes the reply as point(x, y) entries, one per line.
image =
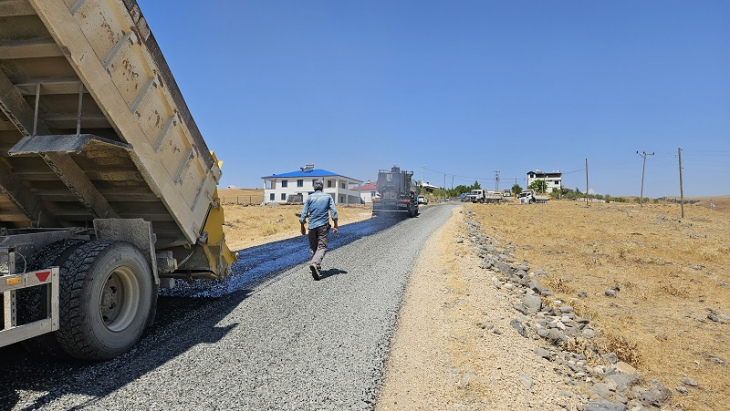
point(516, 189)
point(460, 189)
point(476, 185)
point(540, 186)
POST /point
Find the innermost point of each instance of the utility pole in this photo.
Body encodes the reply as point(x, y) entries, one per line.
point(422, 189)
point(681, 187)
point(586, 182)
point(643, 168)
point(496, 180)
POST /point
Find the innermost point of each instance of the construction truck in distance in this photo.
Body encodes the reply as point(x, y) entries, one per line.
point(484, 196)
point(396, 192)
point(530, 196)
point(107, 188)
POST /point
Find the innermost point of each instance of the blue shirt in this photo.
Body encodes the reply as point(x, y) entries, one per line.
point(316, 208)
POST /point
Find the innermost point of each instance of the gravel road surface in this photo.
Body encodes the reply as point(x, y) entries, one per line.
point(275, 339)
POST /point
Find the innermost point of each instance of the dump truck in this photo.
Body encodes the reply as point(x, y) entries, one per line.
point(107, 188)
point(485, 196)
point(530, 196)
point(396, 192)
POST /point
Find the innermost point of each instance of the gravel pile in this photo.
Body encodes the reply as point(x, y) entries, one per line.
point(272, 341)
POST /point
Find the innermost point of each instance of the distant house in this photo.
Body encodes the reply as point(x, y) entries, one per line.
point(553, 180)
point(295, 186)
point(426, 187)
point(367, 192)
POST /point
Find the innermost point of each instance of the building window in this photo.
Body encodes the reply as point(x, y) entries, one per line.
point(313, 180)
point(300, 183)
point(343, 185)
point(283, 196)
point(372, 194)
point(272, 197)
point(329, 183)
point(342, 199)
point(284, 183)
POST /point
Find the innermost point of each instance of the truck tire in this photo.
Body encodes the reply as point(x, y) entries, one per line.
point(106, 298)
point(33, 304)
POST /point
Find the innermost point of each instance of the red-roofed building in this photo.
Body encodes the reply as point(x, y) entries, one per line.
point(367, 192)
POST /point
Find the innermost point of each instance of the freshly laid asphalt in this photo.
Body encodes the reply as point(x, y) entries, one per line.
point(272, 338)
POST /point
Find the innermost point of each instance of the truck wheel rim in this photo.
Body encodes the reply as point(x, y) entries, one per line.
point(119, 299)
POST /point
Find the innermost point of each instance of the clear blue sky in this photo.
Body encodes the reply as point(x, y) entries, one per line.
point(464, 88)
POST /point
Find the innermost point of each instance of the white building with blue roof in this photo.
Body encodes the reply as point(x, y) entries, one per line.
point(295, 186)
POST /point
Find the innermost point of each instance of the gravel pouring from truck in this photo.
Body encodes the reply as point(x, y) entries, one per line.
point(107, 188)
point(396, 192)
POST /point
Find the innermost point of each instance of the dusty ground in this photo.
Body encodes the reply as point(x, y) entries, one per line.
point(446, 356)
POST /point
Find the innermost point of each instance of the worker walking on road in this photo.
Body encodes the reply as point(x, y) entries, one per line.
point(318, 208)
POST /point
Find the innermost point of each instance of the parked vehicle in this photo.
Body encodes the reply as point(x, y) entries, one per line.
point(107, 187)
point(396, 193)
point(529, 197)
point(507, 193)
point(484, 196)
point(422, 200)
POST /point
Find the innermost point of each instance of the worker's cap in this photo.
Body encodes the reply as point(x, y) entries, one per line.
point(318, 184)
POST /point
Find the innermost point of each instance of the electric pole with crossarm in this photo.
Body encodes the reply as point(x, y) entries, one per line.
point(643, 168)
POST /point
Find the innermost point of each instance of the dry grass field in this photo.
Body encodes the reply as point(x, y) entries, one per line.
point(669, 317)
point(241, 195)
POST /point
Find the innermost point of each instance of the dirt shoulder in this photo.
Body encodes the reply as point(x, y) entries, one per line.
point(455, 347)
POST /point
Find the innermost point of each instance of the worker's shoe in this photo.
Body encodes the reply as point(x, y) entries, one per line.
point(315, 271)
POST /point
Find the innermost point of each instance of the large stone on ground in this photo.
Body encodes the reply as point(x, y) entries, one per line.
point(533, 303)
point(604, 406)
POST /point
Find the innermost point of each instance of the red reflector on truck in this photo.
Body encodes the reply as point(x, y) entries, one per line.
point(42, 276)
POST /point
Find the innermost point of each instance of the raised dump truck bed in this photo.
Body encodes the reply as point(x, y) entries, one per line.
point(97, 141)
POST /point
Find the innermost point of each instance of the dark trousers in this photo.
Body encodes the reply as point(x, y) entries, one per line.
point(318, 243)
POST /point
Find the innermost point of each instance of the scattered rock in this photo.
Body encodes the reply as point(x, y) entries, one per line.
point(624, 368)
point(526, 380)
point(611, 358)
point(468, 377)
point(543, 353)
point(657, 396)
point(521, 308)
point(517, 325)
point(532, 302)
point(535, 286)
point(624, 382)
point(682, 389)
point(610, 293)
point(604, 406)
point(689, 381)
